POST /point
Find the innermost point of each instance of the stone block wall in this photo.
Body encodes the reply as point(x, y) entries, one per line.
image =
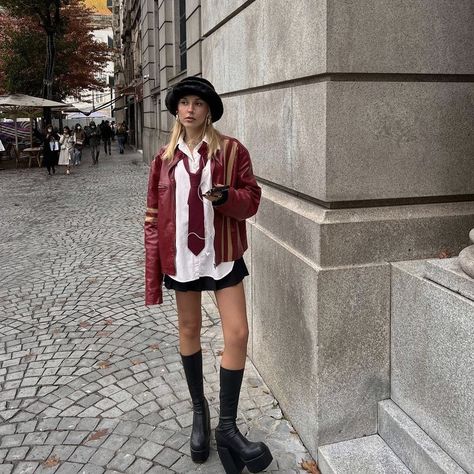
point(160, 59)
point(433, 357)
point(358, 117)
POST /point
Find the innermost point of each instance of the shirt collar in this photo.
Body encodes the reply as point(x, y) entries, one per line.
point(181, 143)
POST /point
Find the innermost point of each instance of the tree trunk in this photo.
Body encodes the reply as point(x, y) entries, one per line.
point(49, 66)
point(49, 71)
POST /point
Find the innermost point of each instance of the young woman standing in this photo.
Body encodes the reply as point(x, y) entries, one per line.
point(201, 189)
point(122, 132)
point(51, 149)
point(94, 142)
point(79, 140)
point(67, 149)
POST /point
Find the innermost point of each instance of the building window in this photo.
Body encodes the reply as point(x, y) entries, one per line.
point(182, 35)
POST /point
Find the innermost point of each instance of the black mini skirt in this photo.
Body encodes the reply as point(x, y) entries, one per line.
point(236, 275)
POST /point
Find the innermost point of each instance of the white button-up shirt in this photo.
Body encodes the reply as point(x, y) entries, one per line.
point(190, 267)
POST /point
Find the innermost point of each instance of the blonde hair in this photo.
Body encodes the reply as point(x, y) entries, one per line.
point(213, 135)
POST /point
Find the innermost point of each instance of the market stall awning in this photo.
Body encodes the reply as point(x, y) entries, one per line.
point(28, 101)
point(21, 106)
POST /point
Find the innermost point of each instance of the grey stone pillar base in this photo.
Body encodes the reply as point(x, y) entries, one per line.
point(319, 303)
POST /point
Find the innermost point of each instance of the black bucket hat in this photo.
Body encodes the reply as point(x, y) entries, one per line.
point(195, 86)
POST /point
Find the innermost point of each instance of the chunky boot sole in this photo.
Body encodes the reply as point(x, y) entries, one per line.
point(199, 456)
point(230, 461)
point(261, 462)
point(234, 464)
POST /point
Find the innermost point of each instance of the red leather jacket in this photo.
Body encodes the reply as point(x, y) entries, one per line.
point(231, 166)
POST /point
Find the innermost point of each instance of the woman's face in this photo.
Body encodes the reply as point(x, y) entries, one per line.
point(192, 113)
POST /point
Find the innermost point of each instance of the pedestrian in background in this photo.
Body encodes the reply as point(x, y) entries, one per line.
point(200, 191)
point(67, 149)
point(79, 141)
point(122, 131)
point(86, 133)
point(107, 137)
point(113, 126)
point(50, 149)
point(94, 142)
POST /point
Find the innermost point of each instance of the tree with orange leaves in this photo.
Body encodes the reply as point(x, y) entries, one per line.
point(78, 58)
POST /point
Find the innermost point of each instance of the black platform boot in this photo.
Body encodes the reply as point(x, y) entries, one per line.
point(201, 432)
point(234, 449)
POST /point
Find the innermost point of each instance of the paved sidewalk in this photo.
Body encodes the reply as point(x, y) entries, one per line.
point(91, 379)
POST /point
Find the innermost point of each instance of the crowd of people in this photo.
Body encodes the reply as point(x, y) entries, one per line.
point(66, 149)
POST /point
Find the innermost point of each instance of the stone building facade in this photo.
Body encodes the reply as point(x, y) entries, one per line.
point(359, 119)
point(102, 30)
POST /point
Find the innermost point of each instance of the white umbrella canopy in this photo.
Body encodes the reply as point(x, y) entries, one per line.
point(28, 101)
point(85, 108)
point(22, 105)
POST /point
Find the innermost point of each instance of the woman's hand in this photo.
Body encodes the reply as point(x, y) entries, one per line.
point(215, 193)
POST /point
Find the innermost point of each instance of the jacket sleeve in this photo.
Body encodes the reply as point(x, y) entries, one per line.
point(243, 199)
point(153, 275)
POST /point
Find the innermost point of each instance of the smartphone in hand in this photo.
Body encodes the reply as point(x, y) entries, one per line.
point(216, 190)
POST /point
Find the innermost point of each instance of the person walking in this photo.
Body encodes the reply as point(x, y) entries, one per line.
point(94, 142)
point(107, 137)
point(201, 189)
point(67, 149)
point(122, 131)
point(79, 140)
point(113, 126)
point(50, 149)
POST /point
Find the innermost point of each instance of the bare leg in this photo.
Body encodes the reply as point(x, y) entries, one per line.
point(235, 450)
point(189, 321)
point(231, 304)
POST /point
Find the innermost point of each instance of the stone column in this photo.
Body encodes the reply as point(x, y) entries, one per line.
point(358, 116)
point(151, 79)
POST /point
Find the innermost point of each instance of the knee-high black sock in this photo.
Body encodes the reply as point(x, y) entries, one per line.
point(231, 383)
point(234, 449)
point(201, 430)
point(192, 365)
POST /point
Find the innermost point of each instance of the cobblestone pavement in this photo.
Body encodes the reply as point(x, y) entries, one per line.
point(91, 379)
